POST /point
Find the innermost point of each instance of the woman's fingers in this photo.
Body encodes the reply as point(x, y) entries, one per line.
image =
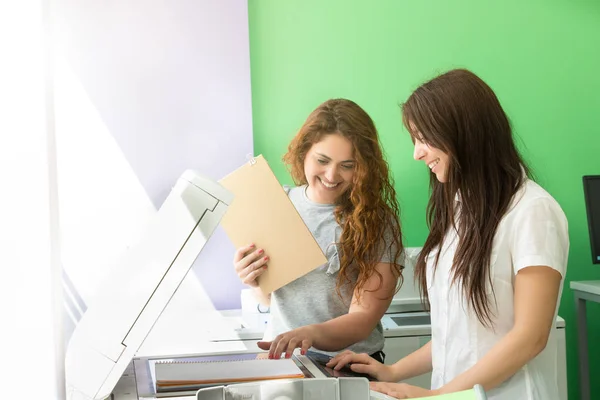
point(277, 347)
point(343, 359)
point(363, 368)
point(287, 342)
point(264, 345)
point(334, 360)
point(250, 279)
point(292, 345)
point(253, 269)
point(305, 346)
point(341, 362)
point(241, 253)
point(249, 265)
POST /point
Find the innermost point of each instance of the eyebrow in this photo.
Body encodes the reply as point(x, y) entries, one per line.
point(329, 158)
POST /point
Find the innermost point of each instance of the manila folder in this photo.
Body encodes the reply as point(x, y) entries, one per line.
point(261, 213)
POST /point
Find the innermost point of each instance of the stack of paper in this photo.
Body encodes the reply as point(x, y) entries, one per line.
point(187, 375)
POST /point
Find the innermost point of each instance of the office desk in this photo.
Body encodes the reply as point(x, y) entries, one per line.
point(584, 291)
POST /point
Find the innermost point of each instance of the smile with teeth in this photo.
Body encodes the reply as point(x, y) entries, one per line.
point(432, 164)
point(328, 185)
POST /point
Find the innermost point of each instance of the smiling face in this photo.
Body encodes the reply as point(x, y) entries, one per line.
point(434, 158)
point(329, 168)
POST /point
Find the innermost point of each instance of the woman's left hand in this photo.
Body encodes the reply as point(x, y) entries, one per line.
point(402, 390)
point(302, 338)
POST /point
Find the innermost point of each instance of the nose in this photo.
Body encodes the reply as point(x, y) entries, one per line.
point(331, 174)
point(419, 152)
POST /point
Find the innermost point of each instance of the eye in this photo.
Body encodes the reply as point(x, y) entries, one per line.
point(321, 161)
point(348, 166)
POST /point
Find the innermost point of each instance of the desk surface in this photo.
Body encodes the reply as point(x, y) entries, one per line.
point(592, 287)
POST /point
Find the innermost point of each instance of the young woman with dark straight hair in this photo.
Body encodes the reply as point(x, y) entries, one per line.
point(493, 265)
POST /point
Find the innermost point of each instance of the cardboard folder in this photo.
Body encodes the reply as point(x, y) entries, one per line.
point(261, 213)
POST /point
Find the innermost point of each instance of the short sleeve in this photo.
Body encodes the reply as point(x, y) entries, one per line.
point(540, 236)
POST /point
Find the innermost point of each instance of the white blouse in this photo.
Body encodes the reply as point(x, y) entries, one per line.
point(532, 232)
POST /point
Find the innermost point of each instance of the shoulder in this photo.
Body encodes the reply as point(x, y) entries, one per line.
point(297, 196)
point(536, 216)
point(537, 229)
point(533, 199)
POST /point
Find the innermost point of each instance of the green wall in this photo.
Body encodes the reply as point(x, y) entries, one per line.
point(541, 57)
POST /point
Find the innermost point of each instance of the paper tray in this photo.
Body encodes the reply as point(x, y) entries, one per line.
point(317, 388)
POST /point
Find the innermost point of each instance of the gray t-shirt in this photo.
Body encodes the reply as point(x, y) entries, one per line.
point(313, 298)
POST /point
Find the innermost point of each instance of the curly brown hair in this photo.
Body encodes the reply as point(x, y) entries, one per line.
point(368, 211)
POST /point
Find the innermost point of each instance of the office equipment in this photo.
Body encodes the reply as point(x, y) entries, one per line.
point(317, 389)
point(136, 293)
point(321, 360)
point(263, 214)
point(185, 374)
point(584, 291)
point(591, 190)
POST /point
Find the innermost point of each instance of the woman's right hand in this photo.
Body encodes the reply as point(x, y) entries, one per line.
point(250, 263)
point(362, 363)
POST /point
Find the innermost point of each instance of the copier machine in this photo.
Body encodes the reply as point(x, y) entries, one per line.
point(119, 319)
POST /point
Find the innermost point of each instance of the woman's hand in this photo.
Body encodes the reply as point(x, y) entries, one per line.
point(362, 363)
point(249, 264)
point(402, 390)
point(301, 338)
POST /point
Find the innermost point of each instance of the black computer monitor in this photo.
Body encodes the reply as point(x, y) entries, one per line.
point(591, 190)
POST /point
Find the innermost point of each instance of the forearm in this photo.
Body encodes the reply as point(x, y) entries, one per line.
point(341, 332)
point(416, 363)
point(501, 362)
point(264, 299)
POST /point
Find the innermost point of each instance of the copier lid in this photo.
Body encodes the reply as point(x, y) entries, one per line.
point(131, 300)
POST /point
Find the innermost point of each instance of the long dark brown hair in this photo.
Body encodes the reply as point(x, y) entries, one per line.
point(459, 114)
point(368, 211)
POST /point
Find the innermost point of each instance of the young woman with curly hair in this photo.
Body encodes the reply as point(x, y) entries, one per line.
point(346, 197)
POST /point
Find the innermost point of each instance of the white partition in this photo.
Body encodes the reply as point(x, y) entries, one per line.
point(145, 90)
